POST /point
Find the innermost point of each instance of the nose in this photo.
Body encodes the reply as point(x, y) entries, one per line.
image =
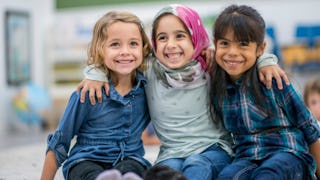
point(171, 43)
point(124, 51)
point(233, 50)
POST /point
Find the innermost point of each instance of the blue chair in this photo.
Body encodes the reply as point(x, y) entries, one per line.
point(308, 34)
point(270, 30)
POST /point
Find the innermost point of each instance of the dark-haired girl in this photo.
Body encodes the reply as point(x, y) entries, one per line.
point(272, 129)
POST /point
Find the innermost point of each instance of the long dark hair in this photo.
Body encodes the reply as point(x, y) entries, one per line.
point(247, 26)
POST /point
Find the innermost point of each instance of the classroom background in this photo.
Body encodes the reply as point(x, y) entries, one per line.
point(43, 45)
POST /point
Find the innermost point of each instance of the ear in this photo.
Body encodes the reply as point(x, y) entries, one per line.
point(261, 49)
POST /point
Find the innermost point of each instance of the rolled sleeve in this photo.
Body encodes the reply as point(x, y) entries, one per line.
point(92, 73)
point(299, 114)
point(267, 60)
point(311, 131)
point(60, 150)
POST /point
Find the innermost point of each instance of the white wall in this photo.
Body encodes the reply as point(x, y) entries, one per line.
point(41, 14)
point(284, 15)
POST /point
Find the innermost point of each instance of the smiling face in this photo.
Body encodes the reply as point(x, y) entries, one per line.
point(174, 47)
point(313, 103)
point(123, 48)
point(236, 57)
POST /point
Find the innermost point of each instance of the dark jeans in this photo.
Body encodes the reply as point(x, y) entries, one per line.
point(279, 166)
point(89, 170)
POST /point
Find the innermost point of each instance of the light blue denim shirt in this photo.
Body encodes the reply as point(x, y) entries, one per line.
point(105, 132)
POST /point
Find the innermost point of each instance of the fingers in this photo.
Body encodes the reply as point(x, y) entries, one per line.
point(94, 88)
point(261, 77)
point(285, 77)
point(279, 81)
point(80, 85)
point(268, 80)
point(83, 94)
point(267, 73)
point(106, 87)
point(92, 96)
point(99, 95)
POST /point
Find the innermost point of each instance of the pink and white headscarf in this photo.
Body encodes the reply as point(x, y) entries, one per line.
point(195, 26)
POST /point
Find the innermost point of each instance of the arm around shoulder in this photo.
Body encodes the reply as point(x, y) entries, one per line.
point(269, 69)
point(94, 79)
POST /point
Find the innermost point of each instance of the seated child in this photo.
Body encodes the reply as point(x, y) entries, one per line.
point(311, 97)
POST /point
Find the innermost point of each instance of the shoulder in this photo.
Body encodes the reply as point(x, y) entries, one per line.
point(286, 88)
point(141, 79)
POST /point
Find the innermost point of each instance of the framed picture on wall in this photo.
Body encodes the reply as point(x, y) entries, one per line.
point(17, 47)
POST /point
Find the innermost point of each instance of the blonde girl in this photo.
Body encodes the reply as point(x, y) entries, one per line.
point(108, 135)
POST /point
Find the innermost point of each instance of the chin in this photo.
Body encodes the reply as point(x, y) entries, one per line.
point(174, 66)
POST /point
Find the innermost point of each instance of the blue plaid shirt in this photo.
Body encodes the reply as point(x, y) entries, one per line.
point(298, 128)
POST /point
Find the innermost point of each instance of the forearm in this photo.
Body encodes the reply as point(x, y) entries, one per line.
point(315, 151)
point(50, 167)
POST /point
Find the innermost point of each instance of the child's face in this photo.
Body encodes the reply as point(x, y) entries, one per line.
point(314, 104)
point(236, 57)
point(123, 48)
point(174, 44)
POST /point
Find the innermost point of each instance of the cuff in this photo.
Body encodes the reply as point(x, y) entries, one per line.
point(92, 73)
point(267, 60)
point(59, 150)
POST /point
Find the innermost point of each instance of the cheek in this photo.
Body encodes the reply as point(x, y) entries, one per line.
point(217, 55)
point(158, 48)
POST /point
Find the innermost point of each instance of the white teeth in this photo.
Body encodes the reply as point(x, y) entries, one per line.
point(124, 61)
point(173, 55)
point(232, 62)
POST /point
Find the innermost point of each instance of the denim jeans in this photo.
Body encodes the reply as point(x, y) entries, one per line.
point(205, 166)
point(279, 166)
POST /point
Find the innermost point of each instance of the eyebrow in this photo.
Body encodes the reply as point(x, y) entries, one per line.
point(176, 32)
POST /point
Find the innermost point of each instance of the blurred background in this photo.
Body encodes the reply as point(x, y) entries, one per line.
point(43, 45)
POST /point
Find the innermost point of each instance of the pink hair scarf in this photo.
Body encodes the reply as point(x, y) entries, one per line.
point(195, 26)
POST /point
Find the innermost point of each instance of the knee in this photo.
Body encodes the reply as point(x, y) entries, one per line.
point(197, 159)
point(279, 172)
point(175, 164)
point(265, 173)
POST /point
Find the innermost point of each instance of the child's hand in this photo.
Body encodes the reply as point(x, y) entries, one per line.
point(266, 74)
point(94, 88)
point(208, 53)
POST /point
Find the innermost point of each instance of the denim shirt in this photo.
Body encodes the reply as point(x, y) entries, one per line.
point(105, 132)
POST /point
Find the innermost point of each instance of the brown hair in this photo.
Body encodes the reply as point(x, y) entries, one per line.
point(312, 86)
